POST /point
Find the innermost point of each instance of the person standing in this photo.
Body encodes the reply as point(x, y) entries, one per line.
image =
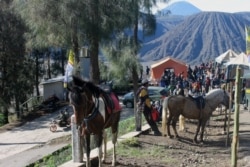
point(207, 84)
point(147, 70)
point(178, 90)
point(68, 73)
point(145, 104)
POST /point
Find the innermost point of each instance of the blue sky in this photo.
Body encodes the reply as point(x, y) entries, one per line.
point(229, 6)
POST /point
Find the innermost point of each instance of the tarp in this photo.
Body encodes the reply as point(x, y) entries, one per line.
point(226, 56)
point(158, 68)
point(241, 59)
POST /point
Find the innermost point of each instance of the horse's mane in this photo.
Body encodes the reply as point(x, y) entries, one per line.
point(214, 92)
point(96, 90)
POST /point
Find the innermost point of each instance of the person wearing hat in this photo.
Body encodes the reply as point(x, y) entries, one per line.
point(144, 102)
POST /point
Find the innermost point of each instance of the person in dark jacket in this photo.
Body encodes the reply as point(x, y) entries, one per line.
point(144, 102)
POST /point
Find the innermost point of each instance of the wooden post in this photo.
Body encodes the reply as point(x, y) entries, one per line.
point(235, 142)
point(77, 146)
point(138, 117)
point(229, 112)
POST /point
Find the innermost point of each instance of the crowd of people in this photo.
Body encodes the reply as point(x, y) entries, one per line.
point(199, 80)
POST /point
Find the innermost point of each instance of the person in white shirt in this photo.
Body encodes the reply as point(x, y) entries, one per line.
point(68, 73)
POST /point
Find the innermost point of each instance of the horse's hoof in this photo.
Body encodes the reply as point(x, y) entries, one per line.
point(202, 142)
point(170, 136)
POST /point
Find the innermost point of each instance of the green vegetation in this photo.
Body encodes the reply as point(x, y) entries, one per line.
point(65, 154)
point(132, 148)
point(55, 159)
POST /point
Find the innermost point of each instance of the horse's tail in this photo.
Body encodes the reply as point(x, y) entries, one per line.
point(181, 123)
point(164, 115)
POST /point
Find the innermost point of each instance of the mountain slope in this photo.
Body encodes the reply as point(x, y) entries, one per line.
point(200, 37)
point(181, 8)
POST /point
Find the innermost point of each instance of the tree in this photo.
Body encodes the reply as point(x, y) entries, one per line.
point(127, 61)
point(72, 24)
point(12, 61)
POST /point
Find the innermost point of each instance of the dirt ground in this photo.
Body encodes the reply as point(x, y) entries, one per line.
point(160, 151)
point(183, 152)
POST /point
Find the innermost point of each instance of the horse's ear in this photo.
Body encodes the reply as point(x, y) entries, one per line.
point(80, 89)
point(77, 81)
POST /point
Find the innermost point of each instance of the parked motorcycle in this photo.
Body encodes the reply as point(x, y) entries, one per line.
point(63, 120)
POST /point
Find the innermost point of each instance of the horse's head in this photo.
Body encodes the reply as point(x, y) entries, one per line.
point(218, 96)
point(226, 99)
point(81, 100)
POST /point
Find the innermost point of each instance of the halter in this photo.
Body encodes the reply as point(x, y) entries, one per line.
point(90, 99)
point(92, 115)
point(211, 106)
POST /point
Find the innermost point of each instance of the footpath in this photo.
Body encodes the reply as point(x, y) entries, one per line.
point(28, 143)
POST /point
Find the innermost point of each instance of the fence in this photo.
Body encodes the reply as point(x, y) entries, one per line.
point(31, 104)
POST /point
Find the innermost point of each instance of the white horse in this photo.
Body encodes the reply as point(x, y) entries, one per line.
point(174, 106)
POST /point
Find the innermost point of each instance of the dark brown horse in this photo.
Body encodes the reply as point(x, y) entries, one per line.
point(174, 106)
point(95, 110)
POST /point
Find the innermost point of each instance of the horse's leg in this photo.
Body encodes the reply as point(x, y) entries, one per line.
point(87, 149)
point(99, 138)
point(197, 130)
point(164, 121)
point(104, 146)
point(225, 121)
point(181, 123)
point(168, 125)
point(203, 125)
point(114, 138)
point(174, 126)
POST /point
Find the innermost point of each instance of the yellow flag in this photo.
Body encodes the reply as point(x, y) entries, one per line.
point(247, 29)
point(71, 57)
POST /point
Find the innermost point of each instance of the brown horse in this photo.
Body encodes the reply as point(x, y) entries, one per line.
point(95, 110)
point(174, 106)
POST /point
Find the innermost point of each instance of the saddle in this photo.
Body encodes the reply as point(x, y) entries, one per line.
point(199, 100)
point(112, 102)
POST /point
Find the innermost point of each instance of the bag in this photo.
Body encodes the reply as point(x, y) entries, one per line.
point(155, 114)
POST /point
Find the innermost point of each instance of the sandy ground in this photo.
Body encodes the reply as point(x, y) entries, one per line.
point(160, 151)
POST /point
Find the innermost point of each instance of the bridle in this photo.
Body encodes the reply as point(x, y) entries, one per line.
point(92, 115)
point(89, 105)
point(212, 108)
point(92, 101)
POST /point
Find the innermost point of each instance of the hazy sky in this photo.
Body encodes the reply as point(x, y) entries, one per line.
point(230, 6)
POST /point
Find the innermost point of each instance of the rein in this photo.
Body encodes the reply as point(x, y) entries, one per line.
point(210, 106)
point(92, 115)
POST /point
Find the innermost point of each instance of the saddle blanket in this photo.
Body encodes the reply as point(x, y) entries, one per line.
point(117, 106)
